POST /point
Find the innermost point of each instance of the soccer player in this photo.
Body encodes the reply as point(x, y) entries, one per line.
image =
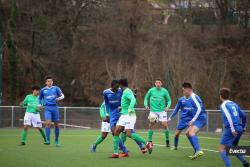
point(112, 99)
point(105, 129)
point(49, 96)
point(127, 119)
point(235, 124)
point(159, 104)
point(193, 116)
point(32, 115)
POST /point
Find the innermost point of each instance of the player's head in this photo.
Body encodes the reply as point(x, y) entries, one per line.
point(158, 83)
point(49, 81)
point(35, 90)
point(187, 89)
point(123, 83)
point(114, 85)
point(225, 94)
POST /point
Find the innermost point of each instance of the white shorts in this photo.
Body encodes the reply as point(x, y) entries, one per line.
point(127, 121)
point(33, 119)
point(162, 116)
point(105, 127)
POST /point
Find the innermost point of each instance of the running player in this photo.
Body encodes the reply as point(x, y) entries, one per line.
point(32, 115)
point(234, 121)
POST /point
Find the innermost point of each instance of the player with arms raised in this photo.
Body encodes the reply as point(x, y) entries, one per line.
point(49, 96)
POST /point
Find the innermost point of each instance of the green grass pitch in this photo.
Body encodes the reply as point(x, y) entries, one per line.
point(74, 151)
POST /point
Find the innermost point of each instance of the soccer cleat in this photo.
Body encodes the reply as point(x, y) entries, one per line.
point(246, 164)
point(197, 155)
point(93, 148)
point(167, 144)
point(149, 147)
point(22, 144)
point(57, 144)
point(144, 150)
point(47, 143)
point(114, 156)
point(122, 155)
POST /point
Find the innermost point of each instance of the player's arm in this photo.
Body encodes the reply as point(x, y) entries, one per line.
point(243, 117)
point(60, 95)
point(227, 115)
point(132, 99)
point(106, 101)
point(25, 102)
point(168, 100)
point(198, 109)
point(102, 112)
point(146, 99)
point(176, 110)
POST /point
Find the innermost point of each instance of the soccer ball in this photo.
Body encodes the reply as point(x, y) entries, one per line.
point(152, 118)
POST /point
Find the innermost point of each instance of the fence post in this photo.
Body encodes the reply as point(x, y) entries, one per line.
point(207, 121)
point(65, 117)
point(12, 116)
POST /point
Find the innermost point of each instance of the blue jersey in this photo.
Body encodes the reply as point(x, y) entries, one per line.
point(48, 96)
point(191, 108)
point(112, 101)
point(232, 115)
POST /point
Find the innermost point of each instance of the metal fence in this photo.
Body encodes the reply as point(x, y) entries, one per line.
point(88, 117)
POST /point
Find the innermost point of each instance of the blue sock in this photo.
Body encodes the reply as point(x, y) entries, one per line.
point(241, 158)
point(141, 145)
point(47, 132)
point(121, 145)
point(57, 131)
point(190, 140)
point(176, 140)
point(195, 142)
point(225, 158)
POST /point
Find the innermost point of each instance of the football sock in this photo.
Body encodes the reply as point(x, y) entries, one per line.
point(116, 144)
point(123, 137)
point(137, 142)
point(43, 134)
point(195, 142)
point(24, 135)
point(166, 132)
point(57, 131)
point(226, 159)
point(47, 132)
point(150, 135)
point(99, 140)
point(241, 158)
point(136, 137)
point(176, 140)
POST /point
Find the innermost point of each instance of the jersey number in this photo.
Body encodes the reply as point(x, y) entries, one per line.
point(235, 112)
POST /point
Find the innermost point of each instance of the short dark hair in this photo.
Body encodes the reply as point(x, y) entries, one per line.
point(225, 93)
point(35, 87)
point(123, 82)
point(187, 85)
point(158, 79)
point(48, 77)
point(114, 82)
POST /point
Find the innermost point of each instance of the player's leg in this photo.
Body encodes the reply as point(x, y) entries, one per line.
point(150, 130)
point(141, 145)
point(116, 139)
point(55, 119)
point(105, 129)
point(123, 137)
point(37, 123)
point(27, 122)
point(240, 157)
point(224, 157)
point(24, 135)
point(176, 139)
point(163, 120)
point(48, 117)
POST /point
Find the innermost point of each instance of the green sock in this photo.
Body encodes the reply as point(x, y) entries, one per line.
point(123, 137)
point(116, 144)
point(166, 132)
point(136, 137)
point(43, 134)
point(99, 140)
point(150, 135)
point(24, 135)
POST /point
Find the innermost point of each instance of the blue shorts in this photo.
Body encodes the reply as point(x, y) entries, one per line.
point(113, 121)
point(183, 124)
point(228, 139)
point(51, 113)
point(201, 121)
